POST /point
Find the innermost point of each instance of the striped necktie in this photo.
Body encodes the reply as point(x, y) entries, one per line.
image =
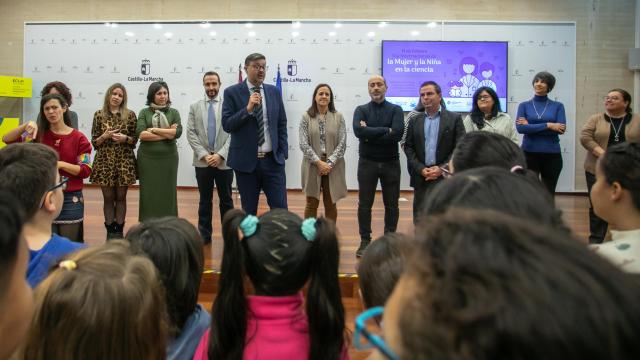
point(257, 112)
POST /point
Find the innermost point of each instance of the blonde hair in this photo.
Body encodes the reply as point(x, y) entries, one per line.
point(110, 305)
point(124, 111)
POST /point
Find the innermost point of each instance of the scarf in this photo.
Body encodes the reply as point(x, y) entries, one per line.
point(159, 119)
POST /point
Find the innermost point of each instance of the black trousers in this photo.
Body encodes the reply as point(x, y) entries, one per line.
point(547, 165)
point(206, 178)
point(389, 175)
point(420, 194)
point(597, 226)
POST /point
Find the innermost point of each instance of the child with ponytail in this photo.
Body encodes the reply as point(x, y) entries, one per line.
point(278, 253)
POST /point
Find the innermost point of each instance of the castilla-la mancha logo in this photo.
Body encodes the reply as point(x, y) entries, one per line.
point(145, 67)
point(292, 68)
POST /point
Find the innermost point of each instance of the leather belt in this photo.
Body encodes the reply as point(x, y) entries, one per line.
point(262, 155)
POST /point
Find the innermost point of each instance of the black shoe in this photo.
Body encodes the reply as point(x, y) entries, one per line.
point(363, 246)
point(110, 230)
point(118, 230)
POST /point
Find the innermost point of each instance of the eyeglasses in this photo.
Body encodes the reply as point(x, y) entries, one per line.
point(62, 184)
point(612, 98)
point(372, 340)
point(258, 67)
point(484, 97)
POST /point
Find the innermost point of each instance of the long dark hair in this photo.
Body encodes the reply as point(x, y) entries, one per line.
point(174, 246)
point(298, 260)
point(313, 109)
point(43, 123)
point(477, 116)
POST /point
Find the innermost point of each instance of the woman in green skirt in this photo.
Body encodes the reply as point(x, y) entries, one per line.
point(158, 128)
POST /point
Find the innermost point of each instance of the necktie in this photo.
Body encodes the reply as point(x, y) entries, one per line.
point(211, 125)
point(257, 111)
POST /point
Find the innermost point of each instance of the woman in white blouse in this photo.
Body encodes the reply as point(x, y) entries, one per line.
point(486, 115)
point(323, 140)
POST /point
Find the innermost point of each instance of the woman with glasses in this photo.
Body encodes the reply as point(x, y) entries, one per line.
point(323, 140)
point(158, 128)
point(74, 150)
point(486, 115)
point(541, 120)
point(113, 135)
point(487, 286)
point(615, 125)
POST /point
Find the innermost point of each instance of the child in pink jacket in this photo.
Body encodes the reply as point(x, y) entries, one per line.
point(279, 253)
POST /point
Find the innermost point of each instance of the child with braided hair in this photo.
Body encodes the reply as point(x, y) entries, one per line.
point(279, 253)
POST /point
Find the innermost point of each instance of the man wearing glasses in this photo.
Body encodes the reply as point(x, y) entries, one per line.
point(253, 114)
point(430, 141)
point(30, 172)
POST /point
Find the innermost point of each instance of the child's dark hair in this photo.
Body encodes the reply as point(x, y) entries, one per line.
point(27, 170)
point(11, 220)
point(278, 260)
point(381, 267)
point(483, 148)
point(175, 248)
point(481, 283)
point(621, 164)
point(496, 189)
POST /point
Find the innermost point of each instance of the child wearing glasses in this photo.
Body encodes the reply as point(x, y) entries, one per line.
point(29, 172)
point(278, 254)
point(487, 286)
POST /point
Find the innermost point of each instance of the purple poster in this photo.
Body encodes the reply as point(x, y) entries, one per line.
point(459, 67)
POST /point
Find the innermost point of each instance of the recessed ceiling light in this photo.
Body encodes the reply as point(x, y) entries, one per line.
point(371, 34)
point(168, 34)
point(251, 33)
point(337, 25)
point(332, 33)
point(157, 26)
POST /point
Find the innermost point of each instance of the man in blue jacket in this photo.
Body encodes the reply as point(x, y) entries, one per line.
point(253, 114)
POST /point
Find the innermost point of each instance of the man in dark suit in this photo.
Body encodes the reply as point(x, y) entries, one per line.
point(431, 138)
point(253, 114)
point(210, 149)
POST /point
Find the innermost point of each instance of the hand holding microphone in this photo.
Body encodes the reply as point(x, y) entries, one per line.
point(254, 100)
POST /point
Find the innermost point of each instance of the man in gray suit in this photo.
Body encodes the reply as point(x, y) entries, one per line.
point(210, 146)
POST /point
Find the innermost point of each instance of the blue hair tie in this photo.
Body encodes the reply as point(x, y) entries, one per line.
point(248, 225)
point(309, 228)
